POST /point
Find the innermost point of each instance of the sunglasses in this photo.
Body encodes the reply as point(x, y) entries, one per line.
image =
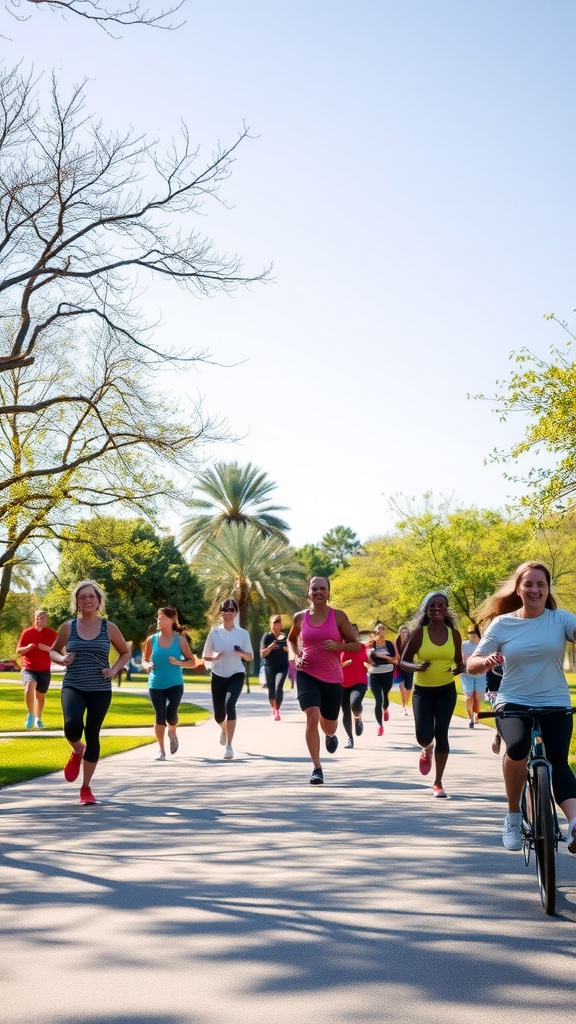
point(228, 608)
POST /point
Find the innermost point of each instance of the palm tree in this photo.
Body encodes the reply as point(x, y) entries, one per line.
point(234, 494)
point(258, 572)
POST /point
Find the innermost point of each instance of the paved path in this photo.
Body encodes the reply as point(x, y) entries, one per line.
point(201, 891)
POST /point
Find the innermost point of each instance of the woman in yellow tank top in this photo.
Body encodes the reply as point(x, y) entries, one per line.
point(434, 652)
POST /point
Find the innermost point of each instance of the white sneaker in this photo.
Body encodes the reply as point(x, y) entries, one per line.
point(223, 737)
point(512, 831)
point(161, 756)
point(228, 752)
point(571, 837)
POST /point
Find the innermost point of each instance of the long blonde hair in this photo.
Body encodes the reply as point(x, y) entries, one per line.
point(507, 600)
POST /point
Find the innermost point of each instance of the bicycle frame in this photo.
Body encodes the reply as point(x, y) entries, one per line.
point(536, 758)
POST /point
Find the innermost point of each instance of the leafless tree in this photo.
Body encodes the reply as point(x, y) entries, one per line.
point(88, 217)
point(106, 15)
point(81, 431)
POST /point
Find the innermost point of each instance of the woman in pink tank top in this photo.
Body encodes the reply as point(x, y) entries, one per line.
point(318, 635)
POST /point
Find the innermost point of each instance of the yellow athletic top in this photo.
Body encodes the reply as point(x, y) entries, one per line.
point(441, 661)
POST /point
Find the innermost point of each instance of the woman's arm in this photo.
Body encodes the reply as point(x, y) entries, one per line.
point(293, 637)
point(121, 647)
point(414, 645)
point(191, 660)
point(146, 664)
point(59, 645)
point(350, 642)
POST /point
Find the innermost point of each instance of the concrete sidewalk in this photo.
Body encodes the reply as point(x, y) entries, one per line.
point(200, 890)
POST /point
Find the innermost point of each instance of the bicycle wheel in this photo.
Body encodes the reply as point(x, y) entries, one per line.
point(543, 826)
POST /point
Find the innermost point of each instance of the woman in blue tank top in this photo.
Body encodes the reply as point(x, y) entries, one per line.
point(87, 683)
point(166, 653)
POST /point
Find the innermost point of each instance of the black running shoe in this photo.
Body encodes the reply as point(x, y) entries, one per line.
point(331, 744)
point(317, 777)
point(358, 726)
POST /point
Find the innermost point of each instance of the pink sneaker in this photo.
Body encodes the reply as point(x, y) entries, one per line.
point(386, 715)
point(425, 762)
point(277, 716)
point(86, 795)
point(380, 731)
point(438, 791)
point(72, 767)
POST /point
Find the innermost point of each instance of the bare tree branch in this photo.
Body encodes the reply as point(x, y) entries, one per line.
point(102, 13)
point(85, 215)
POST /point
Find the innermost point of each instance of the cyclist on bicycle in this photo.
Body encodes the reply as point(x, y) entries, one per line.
point(527, 632)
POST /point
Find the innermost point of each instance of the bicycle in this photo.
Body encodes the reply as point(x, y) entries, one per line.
point(540, 829)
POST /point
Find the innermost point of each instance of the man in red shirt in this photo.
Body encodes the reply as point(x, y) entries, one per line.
point(34, 647)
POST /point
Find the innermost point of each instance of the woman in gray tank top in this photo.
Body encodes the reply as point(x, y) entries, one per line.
point(87, 683)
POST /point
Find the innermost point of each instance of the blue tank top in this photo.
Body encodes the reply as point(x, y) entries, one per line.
point(85, 672)
point(164, 674)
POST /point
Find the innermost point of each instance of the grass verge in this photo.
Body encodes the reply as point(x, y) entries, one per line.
point(27, 758)
point(127, 710)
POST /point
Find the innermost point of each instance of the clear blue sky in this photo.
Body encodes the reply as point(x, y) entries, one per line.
point(412, 179)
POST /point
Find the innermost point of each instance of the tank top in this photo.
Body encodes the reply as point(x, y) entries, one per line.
point(442, 660)
point(85, 672)
point(164, 674)
point(317, 661)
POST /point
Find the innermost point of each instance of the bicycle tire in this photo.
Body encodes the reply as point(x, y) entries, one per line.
point(543, 826)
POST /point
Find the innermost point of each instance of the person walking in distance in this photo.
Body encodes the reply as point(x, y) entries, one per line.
point(318, 636)
point(87, 684)
point(274, 654)
point(471, 687)
point(34, 648)
point(405, 679)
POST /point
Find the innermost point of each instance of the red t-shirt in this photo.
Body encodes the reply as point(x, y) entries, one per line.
point(356, 672)
point(37, 661)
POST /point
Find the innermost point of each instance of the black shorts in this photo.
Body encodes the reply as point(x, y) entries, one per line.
point(314, 693)
point(41, 679)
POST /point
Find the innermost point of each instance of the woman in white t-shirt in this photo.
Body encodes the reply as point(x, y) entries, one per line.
point(527, 633)
point(227, 647)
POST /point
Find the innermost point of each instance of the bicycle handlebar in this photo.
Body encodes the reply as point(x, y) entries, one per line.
point(524, 713)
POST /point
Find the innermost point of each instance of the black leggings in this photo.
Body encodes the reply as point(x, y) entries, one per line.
point(556, 733)
point(433, 708)
point(166, 703)
point(275, 685)
point(381, 684)
point(352, 697)
point(95, 704)
point(225, 693)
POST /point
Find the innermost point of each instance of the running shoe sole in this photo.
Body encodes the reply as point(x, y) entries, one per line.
point(173, 742)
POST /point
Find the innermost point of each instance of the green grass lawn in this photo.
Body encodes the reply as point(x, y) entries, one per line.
point(34, 755)
point(127, 711)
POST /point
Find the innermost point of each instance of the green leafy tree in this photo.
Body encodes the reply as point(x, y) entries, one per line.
point(138, 569)
point(259, 572)
point(339, 544)
point(544, 391)
point(232, 494)
point(314, 561)
point(464, 551)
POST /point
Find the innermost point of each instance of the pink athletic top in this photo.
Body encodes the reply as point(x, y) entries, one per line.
point(317, 661)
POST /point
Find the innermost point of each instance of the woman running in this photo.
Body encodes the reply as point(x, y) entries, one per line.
point(405, 679)
point(166, 653)
point(434, 652)
point(382, 657)
point(527, 633)
point(274, 654)
point(471, 686)
point(354, 686)
point(227, 647)
point(87, 683)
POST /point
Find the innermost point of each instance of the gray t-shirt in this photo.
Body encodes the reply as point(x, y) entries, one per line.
point(534, 650)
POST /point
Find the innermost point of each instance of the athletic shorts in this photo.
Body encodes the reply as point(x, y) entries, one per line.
point(472, 683)
point(41, 680)
point(313, 693)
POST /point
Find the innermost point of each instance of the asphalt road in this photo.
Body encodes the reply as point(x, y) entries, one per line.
point(203, 891)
